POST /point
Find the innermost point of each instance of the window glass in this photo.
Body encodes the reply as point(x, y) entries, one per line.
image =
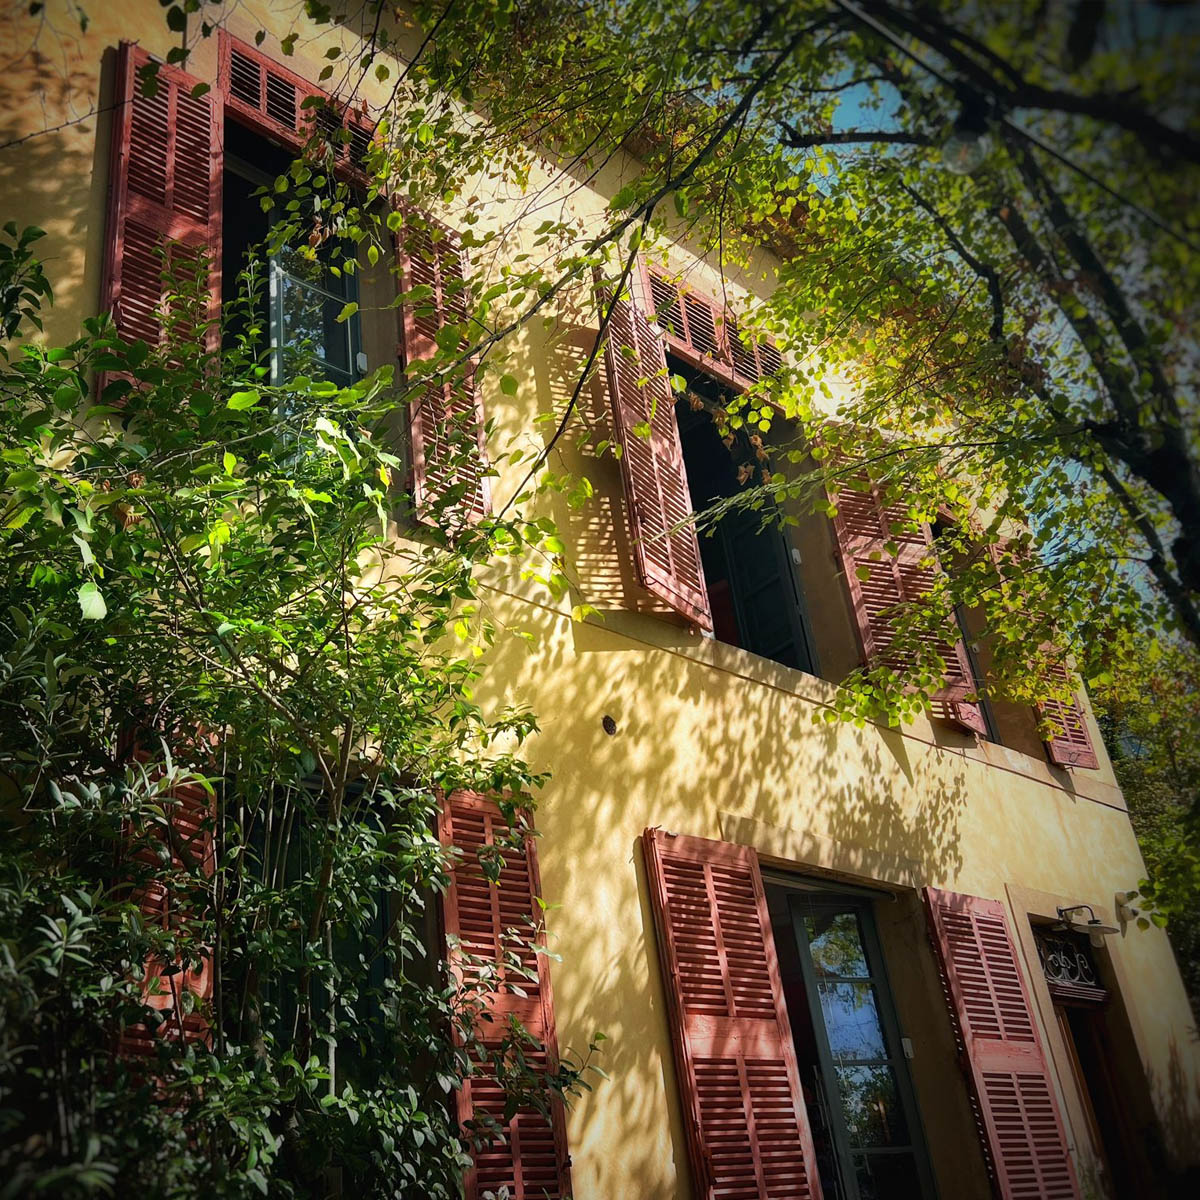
point(852, 1021)
point(882, 1176)
point(848, 1045)
point(871, 1105)
point(835, 943)
point(306, 301)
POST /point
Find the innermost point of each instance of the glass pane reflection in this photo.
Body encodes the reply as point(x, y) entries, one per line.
point(311, 332)
point(314, 271)
point(835, 943)
point(852, 1021)
point(872, 1106)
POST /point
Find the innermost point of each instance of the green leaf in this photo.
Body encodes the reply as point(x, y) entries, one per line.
point(91, 602)
point(19, 519)
point(508, 385)
point(348, 310)
point(243, 400)
point(85, 550)
point(23, 481)
point(228, 461)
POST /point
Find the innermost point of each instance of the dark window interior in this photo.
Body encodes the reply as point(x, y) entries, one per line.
point(250, 162)
point(962, 621)
point(747, 562)
point(1088, 1041)
point(297, 301)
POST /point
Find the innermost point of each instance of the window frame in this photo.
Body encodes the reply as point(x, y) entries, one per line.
point(861, 902)
point(799, 617)
point(250, 173)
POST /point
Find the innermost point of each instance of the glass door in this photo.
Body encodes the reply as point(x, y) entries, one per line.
point(861, 1069)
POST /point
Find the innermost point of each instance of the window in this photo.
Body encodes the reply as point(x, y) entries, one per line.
point(788, 1057)
point(746, 558)
point(738, 583)
point(297, 299)
point(866, 1130)
point(306, 297)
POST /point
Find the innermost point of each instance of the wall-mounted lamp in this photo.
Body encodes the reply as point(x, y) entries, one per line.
point(1096, 930)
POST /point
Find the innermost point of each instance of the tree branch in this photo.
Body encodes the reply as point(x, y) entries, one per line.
point(796, 140)
point(1012, 90)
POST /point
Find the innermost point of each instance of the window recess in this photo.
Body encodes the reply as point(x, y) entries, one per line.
point(746, 556)
point(296, 299)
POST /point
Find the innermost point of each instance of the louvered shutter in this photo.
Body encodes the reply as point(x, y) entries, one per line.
point(189, 845)
point(747, 1127)
point(700, 329)
point(1012, 1090)
point(863, 526)
point(164, 200)
point(532, 1162)
point(657, 502)
point(1071, 745)
point(446, 420)
point(271, 99)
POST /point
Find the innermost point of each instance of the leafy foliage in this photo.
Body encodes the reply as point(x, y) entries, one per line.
point(200, 556)
point(196, 596)
point(1157, 761)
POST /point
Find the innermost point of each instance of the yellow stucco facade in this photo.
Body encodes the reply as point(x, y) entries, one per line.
point(710, 740)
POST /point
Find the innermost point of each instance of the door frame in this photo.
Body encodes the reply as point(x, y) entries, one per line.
point(862, 901)
point(1026, 903)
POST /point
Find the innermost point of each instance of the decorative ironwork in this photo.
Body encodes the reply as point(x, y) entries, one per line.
point(1069, 967)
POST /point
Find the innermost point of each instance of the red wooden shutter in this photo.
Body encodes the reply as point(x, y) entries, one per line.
point(270, 98)
point(700, 329)
point(1071, 745)
point(164, 198)
point(1010, 1078)
point(532, 1162)
point(657, 501)
point(863, 526)
point(748, 1131)
point(431, 256)
point(189, 834)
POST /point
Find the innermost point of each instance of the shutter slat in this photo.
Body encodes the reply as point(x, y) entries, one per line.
point(657, 501)
point(446, 411)
point(863, 526)
point(700, 328)
point(164, 202)
point(1012, 1091)
point(532, 1161)
point(748, 1131)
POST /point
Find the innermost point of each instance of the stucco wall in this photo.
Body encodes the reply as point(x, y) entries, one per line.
point(710, 740)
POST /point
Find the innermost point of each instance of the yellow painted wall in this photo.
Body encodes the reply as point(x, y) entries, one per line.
point(710, 740)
